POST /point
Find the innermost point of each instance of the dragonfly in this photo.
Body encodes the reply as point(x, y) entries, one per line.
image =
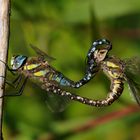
point(98, 59)
point(39, 69)
point(118, 71)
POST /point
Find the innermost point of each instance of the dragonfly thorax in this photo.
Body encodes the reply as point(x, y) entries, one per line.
point(18, 61)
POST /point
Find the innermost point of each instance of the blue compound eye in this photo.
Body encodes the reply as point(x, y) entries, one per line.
point(18, 61)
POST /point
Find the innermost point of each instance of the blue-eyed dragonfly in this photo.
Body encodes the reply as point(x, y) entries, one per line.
point(117, 70)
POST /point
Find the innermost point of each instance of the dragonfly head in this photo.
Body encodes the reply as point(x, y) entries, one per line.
point(100, 54)
point(101, 48)
point(18, 61)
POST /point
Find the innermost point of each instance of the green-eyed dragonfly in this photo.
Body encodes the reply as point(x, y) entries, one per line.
point(117, 70)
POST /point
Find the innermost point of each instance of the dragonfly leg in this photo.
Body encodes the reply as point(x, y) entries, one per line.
point(15, 82)
point(19, 92)
point(9, 69)
point(16, 79)
point(8, 82)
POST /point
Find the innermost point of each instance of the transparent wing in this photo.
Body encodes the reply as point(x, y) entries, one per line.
point(55, 102)
point(41, 53)
point(132, 72)
point(135, 90)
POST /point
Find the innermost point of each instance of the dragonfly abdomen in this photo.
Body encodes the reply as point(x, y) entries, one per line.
point(115, 92)
point(61, 79)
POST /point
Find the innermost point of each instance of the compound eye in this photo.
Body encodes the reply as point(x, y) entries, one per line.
point(17, 61)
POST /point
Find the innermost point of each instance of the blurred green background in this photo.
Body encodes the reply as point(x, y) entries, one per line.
point(66, 30)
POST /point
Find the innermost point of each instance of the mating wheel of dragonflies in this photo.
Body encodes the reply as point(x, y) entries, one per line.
point(118, 71)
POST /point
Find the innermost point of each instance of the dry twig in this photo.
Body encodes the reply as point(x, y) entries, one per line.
point(4, 39)
point(92, 124)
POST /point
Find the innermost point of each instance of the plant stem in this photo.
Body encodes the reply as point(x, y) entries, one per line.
point(4, 41)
